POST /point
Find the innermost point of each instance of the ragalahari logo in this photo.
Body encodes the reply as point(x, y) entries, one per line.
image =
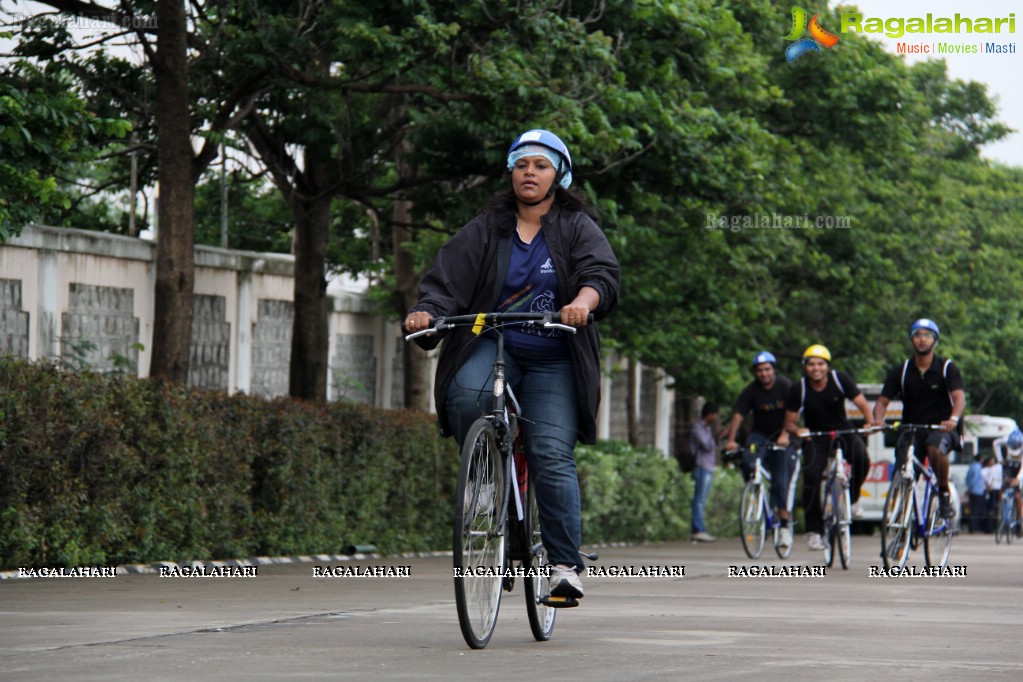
point(819, 37)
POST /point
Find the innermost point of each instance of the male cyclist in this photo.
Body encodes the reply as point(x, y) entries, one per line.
point(932, 392)
point(820, 396)
point(1012, 463)
point(765, 398)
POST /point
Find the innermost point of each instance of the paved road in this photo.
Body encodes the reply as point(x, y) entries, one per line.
point(285, 623)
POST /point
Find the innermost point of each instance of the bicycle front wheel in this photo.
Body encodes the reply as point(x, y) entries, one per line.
point(1002, 526)
point(843, 528)
point(828, 519)
point(896, 523)
point(479, 541)
point(537, 583)
point(1010, 527)
point(938, 540)
point(752, 521)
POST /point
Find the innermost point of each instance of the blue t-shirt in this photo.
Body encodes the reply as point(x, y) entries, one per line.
point(531, 287)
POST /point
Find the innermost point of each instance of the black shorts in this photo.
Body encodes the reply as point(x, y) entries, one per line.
point(945, 441)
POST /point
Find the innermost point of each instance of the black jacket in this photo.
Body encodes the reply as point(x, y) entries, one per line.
point(466, 277)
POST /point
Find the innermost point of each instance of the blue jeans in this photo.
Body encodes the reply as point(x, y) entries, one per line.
point(545, 388)
point(703, 478)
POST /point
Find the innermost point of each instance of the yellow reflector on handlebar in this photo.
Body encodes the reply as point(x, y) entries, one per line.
point(477, 326)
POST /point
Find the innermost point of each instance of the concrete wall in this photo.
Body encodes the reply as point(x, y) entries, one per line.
point(87, 297)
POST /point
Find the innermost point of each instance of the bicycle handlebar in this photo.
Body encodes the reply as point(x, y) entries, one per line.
point(834, 433)
point(899, 426)
point(546, 320)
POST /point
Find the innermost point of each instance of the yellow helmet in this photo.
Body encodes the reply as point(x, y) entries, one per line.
point(816, 351)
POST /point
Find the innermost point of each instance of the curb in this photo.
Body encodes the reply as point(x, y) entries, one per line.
point(154, 567)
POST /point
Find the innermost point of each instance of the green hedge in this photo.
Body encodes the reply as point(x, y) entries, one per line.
point(109, 470)
point(101, 469)
point(639, 495)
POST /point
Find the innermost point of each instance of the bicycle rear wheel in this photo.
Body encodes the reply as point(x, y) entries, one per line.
point(537, 585)
point(843, 527)
point(938, 540)
point(479, 541)
point(752, 523)
point(896, 523)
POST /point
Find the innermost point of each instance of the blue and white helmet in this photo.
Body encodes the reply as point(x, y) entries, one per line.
point(542, 143)
point(1015, 444)
point(762, 357)
point(924, 323)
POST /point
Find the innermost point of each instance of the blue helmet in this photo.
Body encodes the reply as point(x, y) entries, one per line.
point(762, 357)
point(1015, 442)
point(924, 323)
point(545, 138)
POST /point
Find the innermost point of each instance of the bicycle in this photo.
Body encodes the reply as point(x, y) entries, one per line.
point(912, 510)
point(495, 522)
point(1008, 519)
point(836, 507)
point(756, 516)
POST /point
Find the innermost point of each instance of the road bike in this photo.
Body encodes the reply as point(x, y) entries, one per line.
point(756, 517)
point(496, 522)
point(836, 508)
point(912, 508)
point(1008, 517)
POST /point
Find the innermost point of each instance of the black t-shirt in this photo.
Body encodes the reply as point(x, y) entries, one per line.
point(823, 410)
point(926, 398)
point(767, 405)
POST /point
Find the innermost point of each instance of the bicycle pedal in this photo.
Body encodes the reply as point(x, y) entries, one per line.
point(559, 602)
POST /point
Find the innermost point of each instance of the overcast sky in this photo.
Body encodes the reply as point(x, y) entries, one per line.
point(1002, 73)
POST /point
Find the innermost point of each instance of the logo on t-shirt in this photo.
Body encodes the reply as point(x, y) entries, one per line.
point(547, 268)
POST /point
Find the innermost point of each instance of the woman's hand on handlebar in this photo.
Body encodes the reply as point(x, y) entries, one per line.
point(418, 321)
point(575, 315)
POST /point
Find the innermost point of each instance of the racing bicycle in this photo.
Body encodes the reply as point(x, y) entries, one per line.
point(912, 509)
point(496, 522)
point(756, 517)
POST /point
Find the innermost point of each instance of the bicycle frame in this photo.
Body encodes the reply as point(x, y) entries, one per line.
point(911, 518)
point(491, 447)
point(835, 498)
point(755, 522)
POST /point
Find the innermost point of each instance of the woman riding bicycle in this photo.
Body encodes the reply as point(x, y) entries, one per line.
point(535, 247)
point(821, 396)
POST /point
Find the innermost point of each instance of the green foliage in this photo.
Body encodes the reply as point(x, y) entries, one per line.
point(638, 495)
point(676, 113)
point(44, 125)
point(98, 470)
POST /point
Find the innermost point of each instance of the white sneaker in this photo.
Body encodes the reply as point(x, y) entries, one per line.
point(857, 510)
point(565, 582)
point(785, 537)
point(703, 536)
point(814, 542)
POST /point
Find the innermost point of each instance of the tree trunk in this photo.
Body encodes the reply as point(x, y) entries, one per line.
point(633, 399)
point(175, 254)
point(310, 335)
point(414, 359)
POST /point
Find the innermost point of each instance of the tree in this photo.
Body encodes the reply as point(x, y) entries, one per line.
point(178, 167)
point(44, 126)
